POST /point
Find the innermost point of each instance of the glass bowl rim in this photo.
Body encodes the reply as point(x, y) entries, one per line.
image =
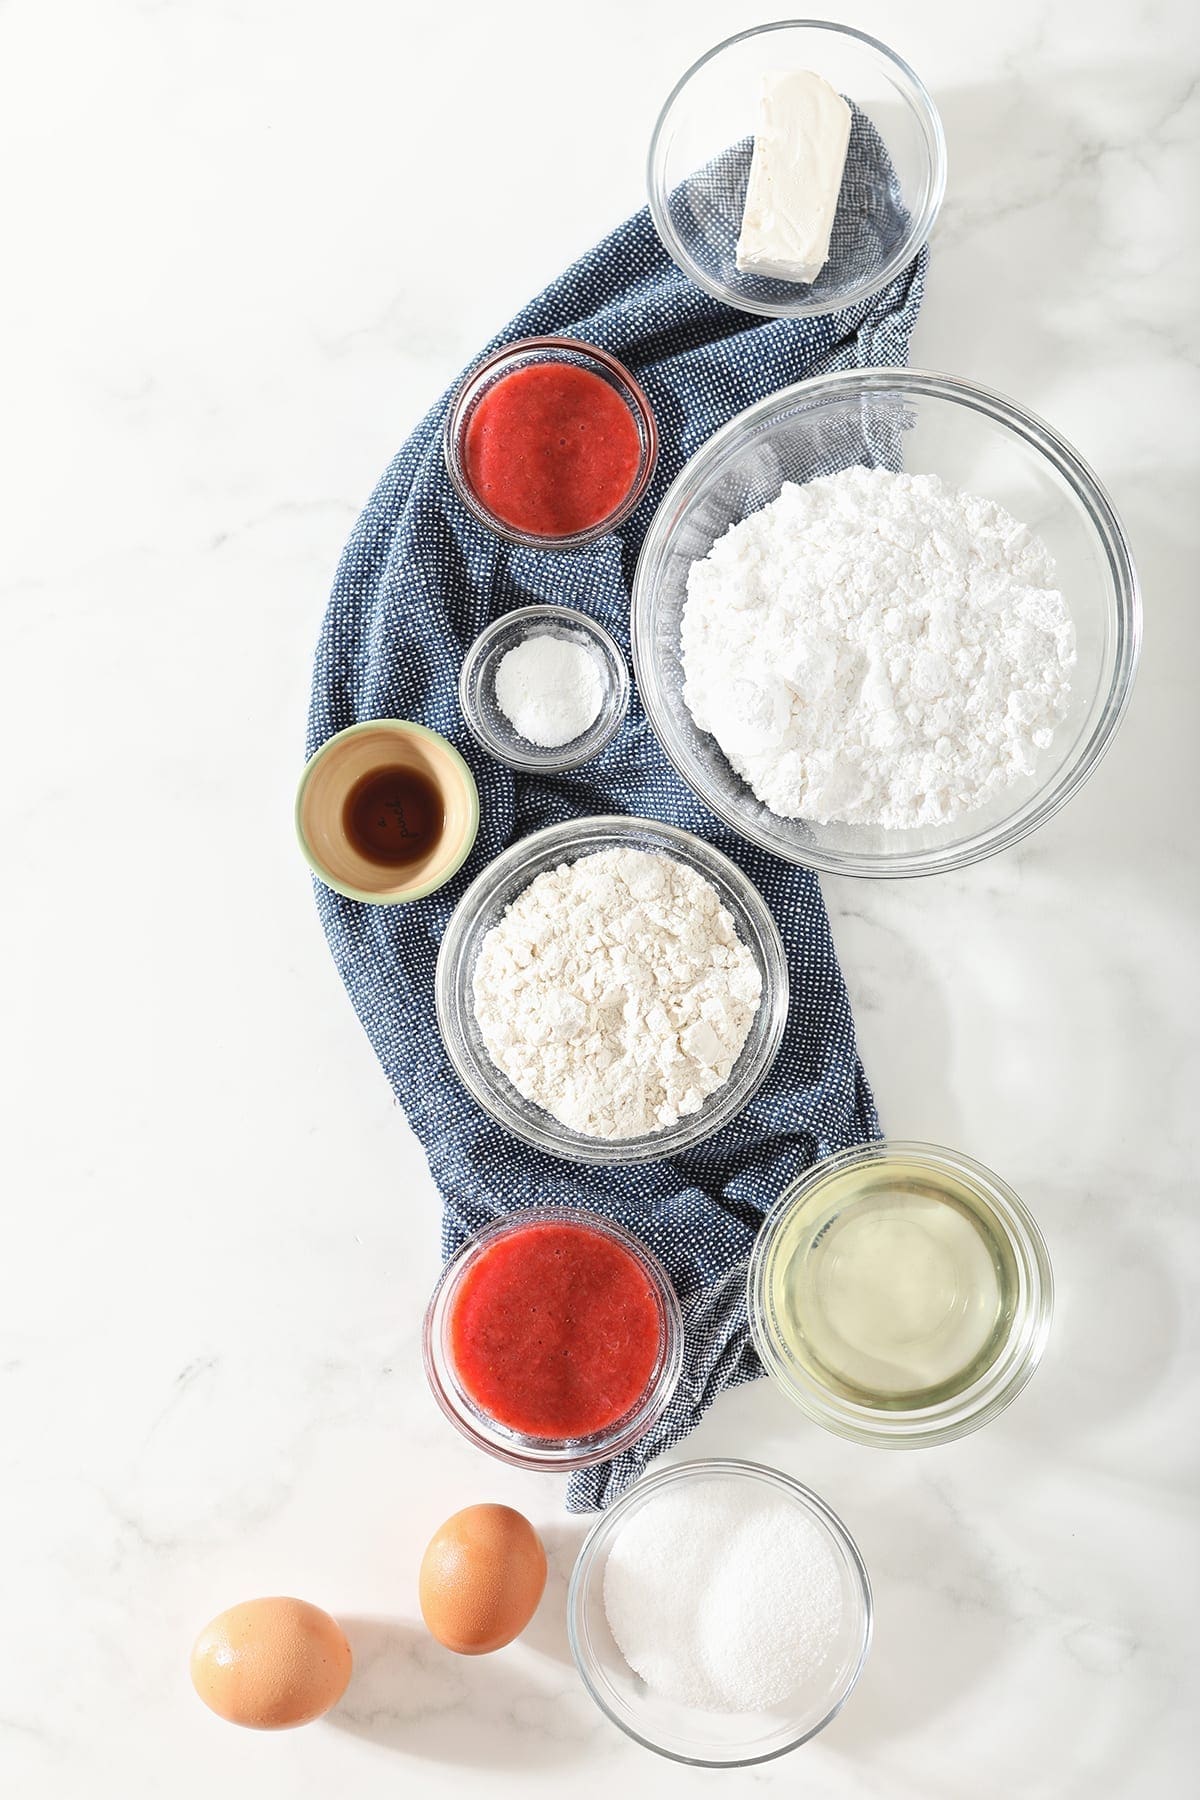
point(1125, 610)
point(916, 237)
point(704, 1468)
point(982, 1400)
point(555, 1455)
point(568, 840)
point(466, 392)
point(593, 740)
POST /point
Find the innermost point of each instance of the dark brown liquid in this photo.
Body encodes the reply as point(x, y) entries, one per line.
point(394, 816)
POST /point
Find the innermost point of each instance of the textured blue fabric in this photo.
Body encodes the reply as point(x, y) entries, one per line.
point(418, 580)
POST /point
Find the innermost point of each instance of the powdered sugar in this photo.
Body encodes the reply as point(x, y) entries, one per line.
point(722, 1597)
point(615, 992)
point(876, 648)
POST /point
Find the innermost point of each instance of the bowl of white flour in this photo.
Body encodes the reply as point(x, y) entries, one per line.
point(612, 990)
point(885, 623)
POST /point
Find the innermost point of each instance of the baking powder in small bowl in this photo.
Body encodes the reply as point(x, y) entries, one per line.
point(550, 689)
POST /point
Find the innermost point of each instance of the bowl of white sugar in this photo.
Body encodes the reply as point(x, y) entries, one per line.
point(612, 990)
point(544, 688)
point(720, 1613)
point(885, 623)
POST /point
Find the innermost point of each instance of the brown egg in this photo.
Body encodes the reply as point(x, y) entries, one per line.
point(481, 1579)
point(271, 1663)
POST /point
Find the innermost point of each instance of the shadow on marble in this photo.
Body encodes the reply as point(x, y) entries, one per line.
point(1005, 232)
point(902, 1023)
point(411, 1695)
point(1115, 1340)
point(547, 1630)
point(940, 1623)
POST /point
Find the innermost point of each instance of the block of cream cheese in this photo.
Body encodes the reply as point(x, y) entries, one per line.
point(795, 177)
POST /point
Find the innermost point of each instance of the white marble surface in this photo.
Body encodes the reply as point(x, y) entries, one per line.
point(231, 285)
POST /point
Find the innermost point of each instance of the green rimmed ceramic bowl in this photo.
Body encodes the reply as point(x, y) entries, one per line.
point(330, 775)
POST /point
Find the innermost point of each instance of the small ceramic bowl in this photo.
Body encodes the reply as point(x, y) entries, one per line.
point(492, 727)
point(506, 361)
point(328, 779)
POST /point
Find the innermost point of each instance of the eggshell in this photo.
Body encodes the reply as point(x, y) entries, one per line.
point(481, 1579)
point(270, 1664)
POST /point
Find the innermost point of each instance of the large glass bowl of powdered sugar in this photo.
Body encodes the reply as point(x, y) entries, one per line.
point(612, 989)
point(885, 623)
point(720, 1613)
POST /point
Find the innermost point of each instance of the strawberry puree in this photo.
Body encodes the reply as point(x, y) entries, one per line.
point(555, 1330)
point(551, 449)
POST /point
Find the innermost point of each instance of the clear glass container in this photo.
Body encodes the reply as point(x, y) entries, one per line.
point(500, 1440)
point(519, 355)
point(699, 166)
point(485, 903)
point(998, 1299)
point(689, 1734)
point(975, 441)
point(491, 726)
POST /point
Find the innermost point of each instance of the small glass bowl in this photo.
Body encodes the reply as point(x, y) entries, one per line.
point(689, 1734)
point(485, 903)
point(922, 423)
point(492, 727)
point(557, 1454)
point(519, 355)
point(699, 166)
point(955, 1414)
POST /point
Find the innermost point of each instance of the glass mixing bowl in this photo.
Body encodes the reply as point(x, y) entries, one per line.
point(845, 1191)
point(922, 423)
point(485, 903)
point(699, 166)
point(691, 1734)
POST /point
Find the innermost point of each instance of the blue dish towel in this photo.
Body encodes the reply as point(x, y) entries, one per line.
point(418, 580)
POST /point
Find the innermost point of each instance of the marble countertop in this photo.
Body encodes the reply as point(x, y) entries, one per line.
point(249, 243)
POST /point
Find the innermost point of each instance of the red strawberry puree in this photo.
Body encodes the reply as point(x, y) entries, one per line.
point(551, 449)
point(554, 1331)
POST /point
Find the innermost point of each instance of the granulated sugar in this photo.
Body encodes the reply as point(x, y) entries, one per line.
point(550, 690)
point(722, 1596)
point(615, 992)
point(876, 649)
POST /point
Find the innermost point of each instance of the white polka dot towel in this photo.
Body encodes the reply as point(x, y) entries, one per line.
point(418, 580)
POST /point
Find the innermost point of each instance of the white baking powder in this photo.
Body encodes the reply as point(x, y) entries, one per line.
point(722, 1597)
point(615, 992)
point(550, 689)
point(877, 649)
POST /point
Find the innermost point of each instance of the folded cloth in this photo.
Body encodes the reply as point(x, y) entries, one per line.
point(418, 580)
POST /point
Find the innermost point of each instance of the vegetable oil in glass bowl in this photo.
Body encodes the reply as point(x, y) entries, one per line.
point(900, 1294)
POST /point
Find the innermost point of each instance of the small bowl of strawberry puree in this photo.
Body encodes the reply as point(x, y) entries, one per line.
point(550, 443)
point(554, 1339)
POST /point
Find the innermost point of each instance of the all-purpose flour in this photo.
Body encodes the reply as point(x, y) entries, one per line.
point(876, 648)
point(615, 992)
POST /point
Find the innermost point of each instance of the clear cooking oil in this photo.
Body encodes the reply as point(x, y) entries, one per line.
point(893, 1284)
